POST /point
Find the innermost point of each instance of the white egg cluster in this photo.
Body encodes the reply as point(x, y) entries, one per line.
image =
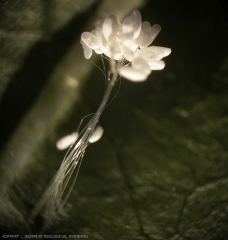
point(127, 43)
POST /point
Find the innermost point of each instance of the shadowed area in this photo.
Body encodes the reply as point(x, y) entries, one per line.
point(38, 64)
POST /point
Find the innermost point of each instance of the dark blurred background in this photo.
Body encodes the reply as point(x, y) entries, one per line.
point(161, 169)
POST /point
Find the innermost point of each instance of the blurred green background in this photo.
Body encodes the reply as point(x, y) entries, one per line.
point(160, 171)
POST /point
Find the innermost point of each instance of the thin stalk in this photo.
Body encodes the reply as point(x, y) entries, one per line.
point(104, 101)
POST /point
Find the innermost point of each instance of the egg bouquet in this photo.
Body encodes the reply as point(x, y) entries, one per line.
point(127, 47)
